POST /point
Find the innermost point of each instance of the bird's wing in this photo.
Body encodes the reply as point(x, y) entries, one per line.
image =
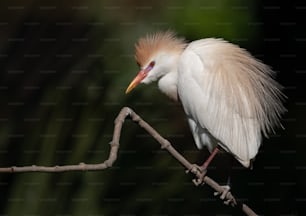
point(201, 136)
point(230, 93)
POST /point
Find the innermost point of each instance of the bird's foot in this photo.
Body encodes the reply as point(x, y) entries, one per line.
point(199, 172)
point(226, 195)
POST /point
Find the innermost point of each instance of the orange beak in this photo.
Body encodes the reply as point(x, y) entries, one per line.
point(140, 76)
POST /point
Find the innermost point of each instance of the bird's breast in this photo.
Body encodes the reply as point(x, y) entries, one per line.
point(168, 85)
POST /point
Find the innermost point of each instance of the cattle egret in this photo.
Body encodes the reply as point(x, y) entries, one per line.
point(230, 98)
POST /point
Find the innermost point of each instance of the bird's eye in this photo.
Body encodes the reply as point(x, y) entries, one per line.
point(151, 65)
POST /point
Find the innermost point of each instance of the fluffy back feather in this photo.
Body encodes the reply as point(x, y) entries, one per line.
point(243, 82)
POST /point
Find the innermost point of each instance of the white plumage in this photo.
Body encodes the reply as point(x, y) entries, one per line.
point(229, 97)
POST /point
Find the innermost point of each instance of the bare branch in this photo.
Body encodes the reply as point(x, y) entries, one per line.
point(201, 177)
point(82, 166)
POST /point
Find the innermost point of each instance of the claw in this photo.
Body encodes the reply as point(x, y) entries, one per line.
point(229, 201)
point(224, 193)
point(199, 172)
point(226, 189)
point(194, 169)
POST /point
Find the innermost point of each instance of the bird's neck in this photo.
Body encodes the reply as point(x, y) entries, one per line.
point(168, 84)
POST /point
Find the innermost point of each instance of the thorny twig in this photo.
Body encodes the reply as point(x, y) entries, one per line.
point(201, 177)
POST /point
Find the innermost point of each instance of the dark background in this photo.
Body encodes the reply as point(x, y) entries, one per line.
point(64, 67)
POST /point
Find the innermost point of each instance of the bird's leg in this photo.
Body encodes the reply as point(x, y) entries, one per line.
point(209, 159)
point(201, 170)
point(225, 193)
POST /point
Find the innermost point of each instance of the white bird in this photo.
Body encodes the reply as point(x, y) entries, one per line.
point(230, 98)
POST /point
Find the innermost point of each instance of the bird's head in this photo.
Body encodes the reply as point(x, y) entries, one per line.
point(156, 55)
